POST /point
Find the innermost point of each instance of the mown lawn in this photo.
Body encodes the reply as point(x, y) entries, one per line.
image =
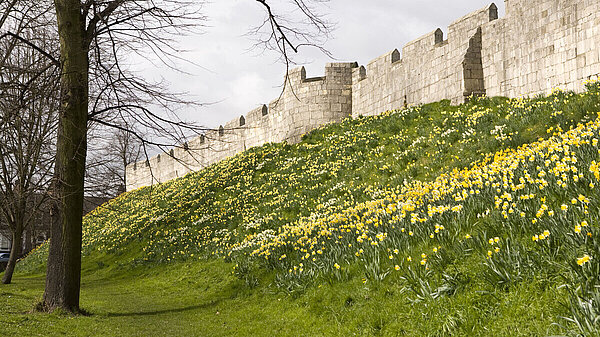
point(199, 299)
point(205, 299)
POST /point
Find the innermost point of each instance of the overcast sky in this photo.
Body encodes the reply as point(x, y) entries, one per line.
point(239, 79)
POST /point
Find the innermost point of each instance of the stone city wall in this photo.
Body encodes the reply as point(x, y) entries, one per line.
point(539, 45)
point(430, 69)
point(305, 104)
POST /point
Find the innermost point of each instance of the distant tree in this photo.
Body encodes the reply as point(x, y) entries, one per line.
point(29, 95)
point(107, 160)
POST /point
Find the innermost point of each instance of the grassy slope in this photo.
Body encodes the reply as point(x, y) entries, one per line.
point(334, 168)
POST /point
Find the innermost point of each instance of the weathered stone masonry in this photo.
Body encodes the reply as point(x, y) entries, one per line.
point(539, 45)
point(306, 103)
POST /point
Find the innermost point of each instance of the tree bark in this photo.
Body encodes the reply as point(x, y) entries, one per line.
point(15, 252)
point(63, 276)
point(28, 236)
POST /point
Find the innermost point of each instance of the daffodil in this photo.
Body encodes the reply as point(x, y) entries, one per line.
point(583, 260)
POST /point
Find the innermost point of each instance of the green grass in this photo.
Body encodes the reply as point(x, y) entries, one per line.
point(261, 237)
point(204, 299)
point(194, 299)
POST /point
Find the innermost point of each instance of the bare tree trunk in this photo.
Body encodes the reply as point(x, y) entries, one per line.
point(63, 277)
point(15, 252)
point(125, 163)
point(28, 242)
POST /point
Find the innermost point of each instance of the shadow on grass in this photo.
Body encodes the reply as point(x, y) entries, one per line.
point(16, 295)
point(164, 311)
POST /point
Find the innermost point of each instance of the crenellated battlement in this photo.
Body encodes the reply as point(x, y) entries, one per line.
point(305, 104)
point(537, 46)
point(430, 69)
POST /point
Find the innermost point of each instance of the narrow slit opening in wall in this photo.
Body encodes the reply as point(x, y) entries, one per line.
point(265, 110)
point(395, 56)
point(221, 131)
point(439, 40)
point(439, 36)
point(493, 12)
